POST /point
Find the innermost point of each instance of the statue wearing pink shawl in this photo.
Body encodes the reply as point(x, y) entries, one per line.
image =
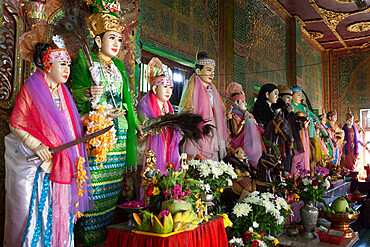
point(201, 97)
point(45, 197)
point(243, 128)
point(151, 107)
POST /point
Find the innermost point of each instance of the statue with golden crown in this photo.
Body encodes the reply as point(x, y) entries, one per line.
point(105, 83)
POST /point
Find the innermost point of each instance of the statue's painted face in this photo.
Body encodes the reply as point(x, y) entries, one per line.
point(287, 99)
point(207, 73)
point(323, 121)
point(273, 96)
point(240, 154)
point(110, 44)
point(59, 72)
point(297, 97)
point(349, 122)
point(334, 118)
point(163, 92)
point(241, 103)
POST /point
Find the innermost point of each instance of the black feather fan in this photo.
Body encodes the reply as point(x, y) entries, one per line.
point(73, 29)
point(191, 125)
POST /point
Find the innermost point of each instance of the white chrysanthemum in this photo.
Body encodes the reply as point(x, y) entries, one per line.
point(229, 182)
point(280, 220)
point(305, 189)
point(246, 209)
point(253, 200)
point(255, 224)
point(267, 196)
point(223, 167)
point(269, 206)
point(251, 229)
point(238, 210)
point(281, 201)
point(216, 171)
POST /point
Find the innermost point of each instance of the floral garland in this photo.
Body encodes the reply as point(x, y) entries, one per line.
point(80, 179)
point(98, 120)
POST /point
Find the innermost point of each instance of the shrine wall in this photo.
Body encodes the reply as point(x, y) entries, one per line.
point(259, 45)
point(177, 29)
point(349, 81)
point(309, 70)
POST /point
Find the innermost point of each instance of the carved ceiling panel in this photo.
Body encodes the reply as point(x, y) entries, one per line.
point(334, 24)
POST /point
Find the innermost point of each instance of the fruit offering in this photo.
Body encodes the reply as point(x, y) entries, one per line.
point(339, 206)
point(186, 221)
point(143, 224)
point(163, 223)
point(134, 204)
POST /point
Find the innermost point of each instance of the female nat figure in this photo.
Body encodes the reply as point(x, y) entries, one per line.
point(262, 110)
point(107, 83)
point(45, 197)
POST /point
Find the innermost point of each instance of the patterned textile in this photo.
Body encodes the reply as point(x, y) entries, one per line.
point(106, 185)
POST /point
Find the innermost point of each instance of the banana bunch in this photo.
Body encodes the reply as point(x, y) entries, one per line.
point(186, 221)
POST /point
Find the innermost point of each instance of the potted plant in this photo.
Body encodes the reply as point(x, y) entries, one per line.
point(286, 186)
point(213, 176)
point(174, 191)
point(311, 190)
point(258, 218)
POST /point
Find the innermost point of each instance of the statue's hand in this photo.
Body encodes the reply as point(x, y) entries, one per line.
point(43, 152)
point(247, 115)
point(141, 132)
point(115, 113)
point(95, 91)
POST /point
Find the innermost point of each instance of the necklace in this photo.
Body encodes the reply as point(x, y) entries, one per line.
point(106, 62)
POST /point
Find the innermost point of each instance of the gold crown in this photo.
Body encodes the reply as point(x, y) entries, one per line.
point(99, 23)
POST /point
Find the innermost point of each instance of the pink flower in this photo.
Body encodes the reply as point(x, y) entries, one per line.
point(165, 213)
point(166, 193)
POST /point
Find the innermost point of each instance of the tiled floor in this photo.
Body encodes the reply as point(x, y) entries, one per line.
point(364, 238)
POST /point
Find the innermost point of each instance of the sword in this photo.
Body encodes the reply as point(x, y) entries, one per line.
point(72, 143)
point(236, 106)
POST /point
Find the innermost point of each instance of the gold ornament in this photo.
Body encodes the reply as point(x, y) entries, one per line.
point(100, 23)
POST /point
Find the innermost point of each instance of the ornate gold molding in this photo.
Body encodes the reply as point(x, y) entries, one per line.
point(359, 27)
point(344, 1)
point(315, 35)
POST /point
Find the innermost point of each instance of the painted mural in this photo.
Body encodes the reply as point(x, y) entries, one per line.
point(350, 81)
point(309, 70)
point(180, 28)
point(259, 46)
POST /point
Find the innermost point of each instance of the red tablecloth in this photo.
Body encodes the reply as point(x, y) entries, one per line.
point(210, 234)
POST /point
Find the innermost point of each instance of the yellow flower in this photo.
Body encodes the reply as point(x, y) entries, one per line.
point(276, 241)
point(79, 214)
point(156, 191)
point(176, 173)
point(227, 221)
point(154, 181)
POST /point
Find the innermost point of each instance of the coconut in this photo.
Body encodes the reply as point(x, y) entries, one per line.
point(340, 205)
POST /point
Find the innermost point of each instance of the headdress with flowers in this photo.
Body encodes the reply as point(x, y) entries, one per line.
point(43, 34)
point(157, 73)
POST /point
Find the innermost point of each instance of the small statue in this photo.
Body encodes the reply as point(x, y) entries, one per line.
point(150, 171)
point(243, 128)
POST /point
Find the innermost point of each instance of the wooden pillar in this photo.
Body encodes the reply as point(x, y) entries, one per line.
point(226, 44)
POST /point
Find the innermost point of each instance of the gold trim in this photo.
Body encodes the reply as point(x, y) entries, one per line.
point(344, 1)
point(359, 27)
point(18, 64)
point(315, 35)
